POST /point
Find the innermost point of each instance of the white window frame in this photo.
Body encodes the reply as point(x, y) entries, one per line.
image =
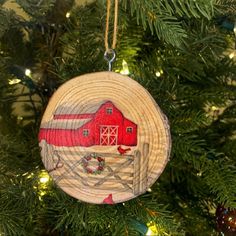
point(129, 128)
point(109, 110)
point(85, 132)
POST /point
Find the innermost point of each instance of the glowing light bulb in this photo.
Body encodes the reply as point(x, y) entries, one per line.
point(152, 229)
point(125, 68)
point(232, 54)
point(150, 232)
point(214, 108)
point(199, 173)
point(159, 73)
point(68, 15)
point(28, 72)
point(44, 180)
point(14, 81)
point(43, 177)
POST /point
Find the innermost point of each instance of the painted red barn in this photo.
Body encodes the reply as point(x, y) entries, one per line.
point(106, 126)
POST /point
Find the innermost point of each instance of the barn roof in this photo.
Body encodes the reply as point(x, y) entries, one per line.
point(64, 124)
point(88, 108)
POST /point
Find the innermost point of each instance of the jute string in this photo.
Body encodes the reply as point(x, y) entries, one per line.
point(114, 40)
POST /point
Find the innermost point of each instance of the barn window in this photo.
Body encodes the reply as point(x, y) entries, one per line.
point(109, 110)
point(85, 132)
point(129, 130)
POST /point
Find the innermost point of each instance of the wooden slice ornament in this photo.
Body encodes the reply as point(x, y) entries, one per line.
point(104, 139)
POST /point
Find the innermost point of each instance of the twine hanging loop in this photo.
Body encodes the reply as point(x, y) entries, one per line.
point(110, 54)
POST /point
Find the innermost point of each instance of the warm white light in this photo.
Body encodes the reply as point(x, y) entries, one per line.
point(28, 72)
point(152, 229)
point(149, 232)
point(44, 180)
point(14, 81)
point(125, 68)
point(43, 177)
point(214, 108)
point(159, 73)
point(68, 15)
point(20, 118)
point(199, 173)
point(232, 55)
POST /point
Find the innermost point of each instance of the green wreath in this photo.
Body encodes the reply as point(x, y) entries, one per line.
point(93, 170)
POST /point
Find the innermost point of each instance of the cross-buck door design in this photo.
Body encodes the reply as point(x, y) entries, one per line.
point(108, 135)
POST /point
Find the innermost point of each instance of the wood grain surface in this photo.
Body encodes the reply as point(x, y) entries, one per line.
point(131, 166)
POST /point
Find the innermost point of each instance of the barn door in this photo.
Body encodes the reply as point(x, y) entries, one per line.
point(108, 135)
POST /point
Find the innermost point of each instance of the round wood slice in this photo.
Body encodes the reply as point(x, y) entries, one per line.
point(103, 138)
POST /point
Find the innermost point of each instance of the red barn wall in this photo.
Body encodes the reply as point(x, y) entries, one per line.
point(129, 139)
point(89, 140)
point(102, 118)
point(59, 137)
point(68, 137)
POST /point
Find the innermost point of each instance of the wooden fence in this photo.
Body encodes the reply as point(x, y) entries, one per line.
point(120, 173)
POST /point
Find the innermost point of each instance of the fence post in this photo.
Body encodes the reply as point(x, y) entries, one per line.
point(144, 168)
point(136, 178)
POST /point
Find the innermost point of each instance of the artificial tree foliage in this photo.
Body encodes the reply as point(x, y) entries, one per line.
point(178, 50)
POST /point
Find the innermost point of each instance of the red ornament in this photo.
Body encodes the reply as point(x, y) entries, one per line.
point(226, 220)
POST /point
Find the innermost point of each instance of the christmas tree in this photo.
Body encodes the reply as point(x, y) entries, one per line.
point(182, 52)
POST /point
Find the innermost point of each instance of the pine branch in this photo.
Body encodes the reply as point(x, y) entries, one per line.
point(7, 20)
point(36, 8)
point(19, 203)
point(201, 171)
point(190, 8)
point(220, 178)
point(162, 16)
point(151, 15)
point(225, 7)
point(186, 121)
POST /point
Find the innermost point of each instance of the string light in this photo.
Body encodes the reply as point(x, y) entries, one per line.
point(14, 81)
point(152, 229)
point(214, 108)
point(43, 184)
point(125, 68)
point(20, 118)
point(28, 72)
point(159, 73)
point(232, 55)
point(68, 15)
point(199, 173)
point(43, 177)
